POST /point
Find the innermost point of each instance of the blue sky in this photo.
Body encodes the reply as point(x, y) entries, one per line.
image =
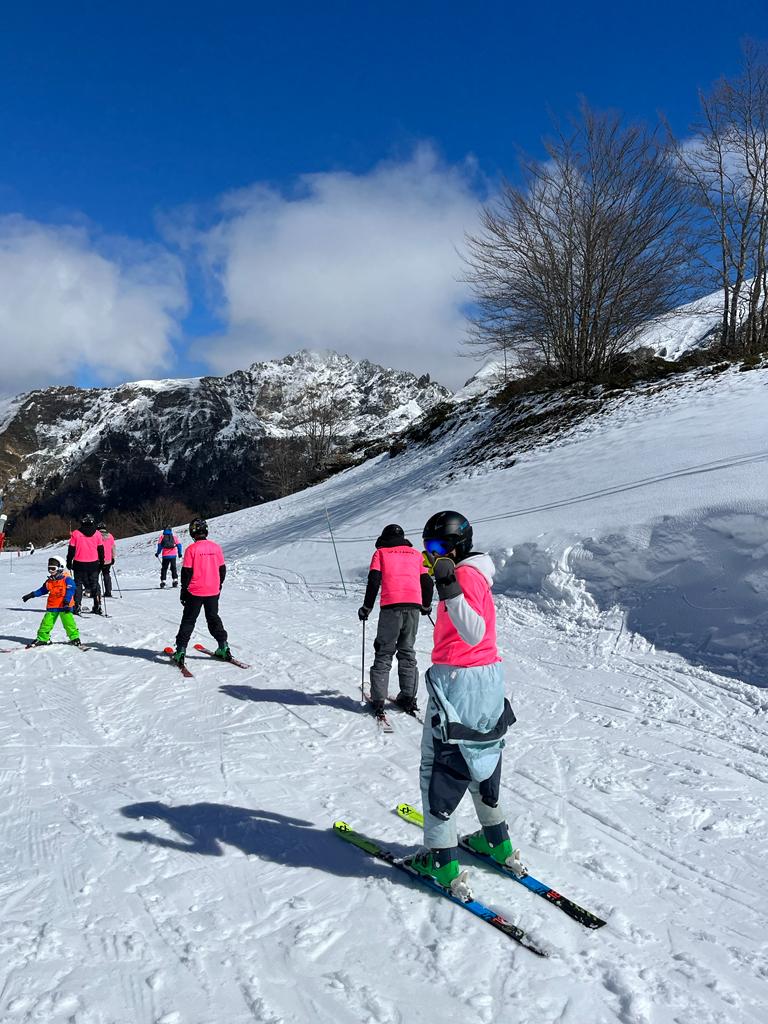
point(161, 152)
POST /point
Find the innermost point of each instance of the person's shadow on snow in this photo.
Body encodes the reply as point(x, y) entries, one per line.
point(206, 828)
point(329, 698)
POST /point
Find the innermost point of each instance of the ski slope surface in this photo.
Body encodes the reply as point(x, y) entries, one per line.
point(165, 846)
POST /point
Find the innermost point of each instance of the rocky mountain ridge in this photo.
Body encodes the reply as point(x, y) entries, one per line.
point(208, 441)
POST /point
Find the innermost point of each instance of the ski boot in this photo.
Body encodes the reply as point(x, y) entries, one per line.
point(178, 656)
point(493, 841)
point(40, 643)
point(75, 642)
point(443, 866)
point(97, 609)
point(407, 704)
point(175, 583)
point(223, 652)
point(162, 584)
point(376, 707)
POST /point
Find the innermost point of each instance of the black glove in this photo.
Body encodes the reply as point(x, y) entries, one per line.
point(425, 609)
point(157, 555)
point(183, 596)
point(69, 563)
point(363, 613)
point(444, 571)
point(27, 597)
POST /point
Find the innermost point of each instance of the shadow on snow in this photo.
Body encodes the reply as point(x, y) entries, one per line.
point(206, 828)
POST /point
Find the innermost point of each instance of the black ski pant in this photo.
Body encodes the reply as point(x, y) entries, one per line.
point(106, 575)
point(87, 580)
point(164, 571)
point(192, 606)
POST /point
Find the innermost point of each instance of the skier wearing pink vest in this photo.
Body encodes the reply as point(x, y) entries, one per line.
point(85, 557)
point(406, 593)
point(202, 577)
point(109, 558)
point(467, 714)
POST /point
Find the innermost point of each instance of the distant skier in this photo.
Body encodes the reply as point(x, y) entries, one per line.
point(85, 556)
point(406, 592)
point(109, 558)
point(168, 550)
point(468, 714)
point(60, 588)
point(30, 548)
point(202, 577)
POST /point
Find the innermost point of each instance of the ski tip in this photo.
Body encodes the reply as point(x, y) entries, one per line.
point(341, 826)
point(199, 647)
point(402, 809)
point(168, 650)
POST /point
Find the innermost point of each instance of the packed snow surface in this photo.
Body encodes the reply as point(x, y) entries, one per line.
point(165, 853)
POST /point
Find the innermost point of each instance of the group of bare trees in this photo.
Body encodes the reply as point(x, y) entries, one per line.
point(304, 457)
point(611, 232)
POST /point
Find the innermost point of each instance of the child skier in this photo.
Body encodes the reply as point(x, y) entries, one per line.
point(60, 588)
point(468, 713)
point(108, 542)
point(202, 577)
point(85, 556)
point(168, 549)
point(406, 591)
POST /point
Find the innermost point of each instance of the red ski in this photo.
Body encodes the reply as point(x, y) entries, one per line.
point(183, 668)
point(226, 661)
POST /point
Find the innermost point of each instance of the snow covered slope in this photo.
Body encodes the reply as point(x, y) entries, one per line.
point(165, 853)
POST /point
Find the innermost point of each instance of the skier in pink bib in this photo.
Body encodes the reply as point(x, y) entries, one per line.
point(85, 557)
point(406, 592)
point(202, 577)
point(109, 558)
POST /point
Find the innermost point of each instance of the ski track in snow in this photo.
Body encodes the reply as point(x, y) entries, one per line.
point(165, 846)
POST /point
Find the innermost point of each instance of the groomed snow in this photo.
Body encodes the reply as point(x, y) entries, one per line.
point(165, 854)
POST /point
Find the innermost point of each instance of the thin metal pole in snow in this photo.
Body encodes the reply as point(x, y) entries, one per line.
point(117, 581)
point(333, 541)
point(362, 669)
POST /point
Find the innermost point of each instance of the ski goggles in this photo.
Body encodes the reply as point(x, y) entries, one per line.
point(438, 547)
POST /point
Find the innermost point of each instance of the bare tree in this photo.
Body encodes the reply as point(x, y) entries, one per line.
point(285, 463)
point(725, 166)
point(595, 244)
point(317, 421)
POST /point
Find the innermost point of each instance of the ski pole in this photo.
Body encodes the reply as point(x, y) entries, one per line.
point(362, 669)
point(117, 581)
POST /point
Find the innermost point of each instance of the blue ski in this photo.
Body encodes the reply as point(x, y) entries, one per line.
point(374, 849)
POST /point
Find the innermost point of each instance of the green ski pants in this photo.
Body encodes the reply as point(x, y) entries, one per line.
point(67, 620)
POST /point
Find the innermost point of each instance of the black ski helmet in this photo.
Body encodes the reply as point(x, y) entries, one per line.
point(198, 529)
point(452, 530)
point(87, 520)
point(102, 526)
point(391, 535)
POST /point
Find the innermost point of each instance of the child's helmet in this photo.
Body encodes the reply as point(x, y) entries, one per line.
point(168, 531)
point(198, 529)
point(54, 565)
point(391, 534)
point(448, 531)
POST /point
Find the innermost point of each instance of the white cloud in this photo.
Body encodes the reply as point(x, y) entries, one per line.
point(364, 264)
point(69, 303)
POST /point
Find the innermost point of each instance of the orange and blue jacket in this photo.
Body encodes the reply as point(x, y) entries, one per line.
point(61, 593)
